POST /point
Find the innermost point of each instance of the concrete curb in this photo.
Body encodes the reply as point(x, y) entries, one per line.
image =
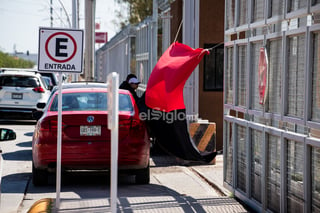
point(43, 205)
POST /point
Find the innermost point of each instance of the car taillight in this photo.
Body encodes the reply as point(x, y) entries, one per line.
point(50, 125)
point(38, 89)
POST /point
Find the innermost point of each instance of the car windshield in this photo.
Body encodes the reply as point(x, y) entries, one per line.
point(19, 81)
point(88, 101)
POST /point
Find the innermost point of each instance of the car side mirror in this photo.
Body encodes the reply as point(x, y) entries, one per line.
point(7, 134)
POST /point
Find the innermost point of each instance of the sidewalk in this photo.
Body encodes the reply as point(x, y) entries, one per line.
point(212, 174)
point(214, 178)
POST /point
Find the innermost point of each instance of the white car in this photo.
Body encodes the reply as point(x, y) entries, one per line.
point(21, 91)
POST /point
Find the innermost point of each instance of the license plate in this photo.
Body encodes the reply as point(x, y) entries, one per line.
point(16, 95)
point(90, 130)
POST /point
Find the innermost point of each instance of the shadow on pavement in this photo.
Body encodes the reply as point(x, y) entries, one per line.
point(21, 155)
point(25, 144)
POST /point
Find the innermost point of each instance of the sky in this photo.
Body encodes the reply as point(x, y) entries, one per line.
point(20, 21)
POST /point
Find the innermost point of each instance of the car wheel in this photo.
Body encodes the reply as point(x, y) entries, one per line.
point(39, 176)
point(143, 176)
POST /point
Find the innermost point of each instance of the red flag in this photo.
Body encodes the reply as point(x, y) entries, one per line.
point(164, 90)
point(263, 75)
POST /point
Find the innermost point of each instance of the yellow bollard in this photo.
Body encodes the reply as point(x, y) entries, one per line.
point(41, 206)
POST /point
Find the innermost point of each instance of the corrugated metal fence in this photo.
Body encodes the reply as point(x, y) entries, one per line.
point(117, 55)
point(143, 53)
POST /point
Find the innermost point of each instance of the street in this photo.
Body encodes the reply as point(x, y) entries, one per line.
point(173, 186)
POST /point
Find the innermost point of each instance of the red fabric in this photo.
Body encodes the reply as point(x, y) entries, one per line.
point(165, 86)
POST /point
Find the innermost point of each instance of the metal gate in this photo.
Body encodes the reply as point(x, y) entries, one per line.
point(144, 53)
point(272, 151)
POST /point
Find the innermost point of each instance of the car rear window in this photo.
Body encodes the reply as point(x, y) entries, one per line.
point(89, 102)
point(19, 81)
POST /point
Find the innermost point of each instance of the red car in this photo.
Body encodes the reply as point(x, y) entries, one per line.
point(86, 137)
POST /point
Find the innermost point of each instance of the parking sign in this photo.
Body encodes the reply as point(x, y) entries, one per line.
point(60, 50)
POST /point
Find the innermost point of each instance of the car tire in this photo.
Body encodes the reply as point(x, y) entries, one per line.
point(143, 176)
point(39, 176)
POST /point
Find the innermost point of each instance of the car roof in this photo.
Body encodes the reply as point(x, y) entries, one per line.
point(87, 88)
point(14, 72)
point(17, 70)
point(25, 71)
point(81, 84)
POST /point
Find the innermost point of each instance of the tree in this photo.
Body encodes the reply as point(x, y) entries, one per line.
point(138, 10)
point(9, 61)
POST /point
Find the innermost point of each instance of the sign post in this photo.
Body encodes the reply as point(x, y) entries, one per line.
point(113, 120)
point(60, 50)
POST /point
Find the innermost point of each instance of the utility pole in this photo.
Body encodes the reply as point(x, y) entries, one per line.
point(75, 14)
point(90, 6)
point(51, 15)
point(75, 25)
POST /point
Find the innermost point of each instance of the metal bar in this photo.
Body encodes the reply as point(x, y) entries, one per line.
point(283, 172)
point(113, 122)
point(59, 141)
point(264, 170)
point(307, 180)
point(248, 161)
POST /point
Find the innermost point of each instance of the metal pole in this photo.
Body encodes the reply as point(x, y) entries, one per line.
point(89, 39)
point(51, 15)
point(75, 25)
point(75, 14)
point(113, 121)
point(59, 141)
point(190, 37)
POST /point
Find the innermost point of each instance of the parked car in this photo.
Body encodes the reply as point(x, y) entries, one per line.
point(7, 135)
point(48, 81)
point(21, 91)
point(86, 137)
point(52, 75)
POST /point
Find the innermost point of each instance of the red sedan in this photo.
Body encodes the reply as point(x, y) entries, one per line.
point(86, 137)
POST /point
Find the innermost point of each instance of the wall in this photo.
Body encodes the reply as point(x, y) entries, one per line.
point(211, 31)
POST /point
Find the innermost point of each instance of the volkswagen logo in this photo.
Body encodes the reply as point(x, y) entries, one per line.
point(90, 119)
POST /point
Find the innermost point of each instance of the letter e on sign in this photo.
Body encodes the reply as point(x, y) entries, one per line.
point(60, 50)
